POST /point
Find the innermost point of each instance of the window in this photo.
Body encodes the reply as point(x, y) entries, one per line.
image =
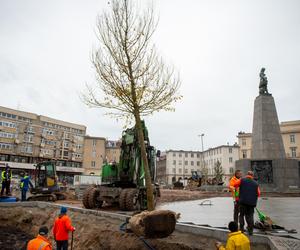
point(93, 164)
point(198, 163)
point(192, 155)
point(30, 130)
point(180, 162)
point(174, 170)
point(186, 163)
point(46, 131)
point(244, 142)
point(5, 145)
point(180, 170)
point(66, 153)
point(28, 138)
point(7, 135)
point(230, 150)
point(27, 149)
point(180, 155)
point(186, 154)
point(231, 170)
point(174, 154)
point(185, 171)
point(8, 124)
point(94, 142)
point(244, 152)
point(292, 138)
point(94, 154)
point(293, 152)
point(230, 159)
point(66, 144)
point(8, 115)
point(198, 155)
point(174, 162)
point(192, 163)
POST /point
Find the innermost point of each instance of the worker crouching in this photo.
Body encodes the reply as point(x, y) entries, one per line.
point(41, 242)
point(236, 239)
point(62, 227)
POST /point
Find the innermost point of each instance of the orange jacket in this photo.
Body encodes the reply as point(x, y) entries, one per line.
point(62, 226)
point(234, 190)
point(238, 183)
point(39, 243)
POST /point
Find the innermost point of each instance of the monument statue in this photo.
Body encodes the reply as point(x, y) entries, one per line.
point(263, 84)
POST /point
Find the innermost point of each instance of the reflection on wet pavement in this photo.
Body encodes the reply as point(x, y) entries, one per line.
point(283, 211)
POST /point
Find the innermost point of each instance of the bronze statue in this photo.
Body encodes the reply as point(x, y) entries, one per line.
point(263, 84)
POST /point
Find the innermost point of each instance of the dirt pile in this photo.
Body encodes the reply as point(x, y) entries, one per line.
point(171, 195)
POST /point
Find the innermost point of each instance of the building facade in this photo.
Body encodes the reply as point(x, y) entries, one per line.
point(113, 150)
point(94, 155)
point(179, 164)
point(98, 150)
point(27, 138)
point(290, 132)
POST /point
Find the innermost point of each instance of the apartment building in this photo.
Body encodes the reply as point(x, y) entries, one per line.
point(113, 150)
point(226, 155)
point(175, 164)
point(27, 138)
point(94, 155)
point(290, 132)
point(98, 150)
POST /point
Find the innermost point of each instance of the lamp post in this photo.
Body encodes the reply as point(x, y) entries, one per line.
point(202, 154)
point(201, 141)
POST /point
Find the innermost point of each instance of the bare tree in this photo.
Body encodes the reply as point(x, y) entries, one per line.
point(134, 79)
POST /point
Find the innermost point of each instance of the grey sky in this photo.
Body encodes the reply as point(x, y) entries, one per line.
point(218, 46)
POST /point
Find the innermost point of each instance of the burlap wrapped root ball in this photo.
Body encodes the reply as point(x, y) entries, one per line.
point(154, 224)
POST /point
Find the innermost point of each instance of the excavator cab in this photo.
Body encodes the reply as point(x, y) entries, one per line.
point(45, 182)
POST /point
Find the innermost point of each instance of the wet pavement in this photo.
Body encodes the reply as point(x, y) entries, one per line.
point(283, 211)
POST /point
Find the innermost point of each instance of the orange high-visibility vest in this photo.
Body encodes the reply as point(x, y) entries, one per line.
point(39, 243)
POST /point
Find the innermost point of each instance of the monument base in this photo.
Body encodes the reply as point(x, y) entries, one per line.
point(277, 175)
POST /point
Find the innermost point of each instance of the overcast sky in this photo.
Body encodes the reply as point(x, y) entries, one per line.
point(218, 46)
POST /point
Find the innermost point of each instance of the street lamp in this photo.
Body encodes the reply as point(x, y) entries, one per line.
point(201, 141)
point(202, 154)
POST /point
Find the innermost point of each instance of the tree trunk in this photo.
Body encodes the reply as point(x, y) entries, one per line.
point(149, 189)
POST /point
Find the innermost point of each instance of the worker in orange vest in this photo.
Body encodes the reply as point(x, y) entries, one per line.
point(41, 241)
point(235, 194)
point(62, 227)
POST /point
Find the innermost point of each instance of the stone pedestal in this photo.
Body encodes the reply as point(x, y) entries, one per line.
point(272, 170)
point(266, 136)
point(280, 175)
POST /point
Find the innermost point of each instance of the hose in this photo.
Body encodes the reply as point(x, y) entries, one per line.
point(123, 228)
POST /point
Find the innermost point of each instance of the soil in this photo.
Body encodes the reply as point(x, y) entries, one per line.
point(92, 232)
point(12, 238)
point(171, 195)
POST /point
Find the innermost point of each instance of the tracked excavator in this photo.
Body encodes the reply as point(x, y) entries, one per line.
point(124, 183)
point(45, 185)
